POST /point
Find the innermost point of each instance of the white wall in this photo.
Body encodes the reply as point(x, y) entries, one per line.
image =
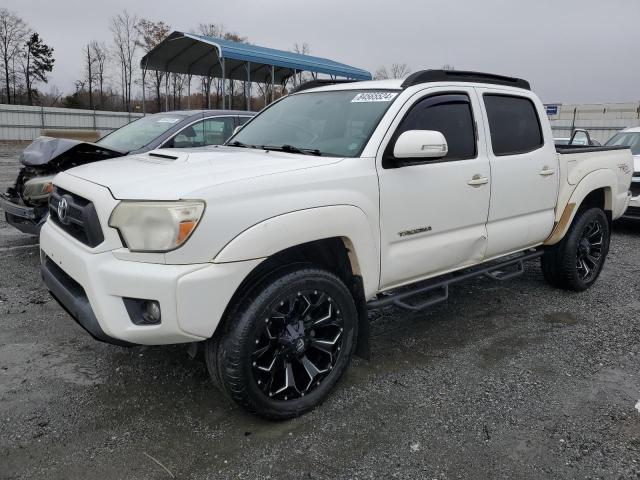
point(20, 122)
point(601, 120)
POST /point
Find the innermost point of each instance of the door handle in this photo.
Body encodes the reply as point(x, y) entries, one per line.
point(478, 180)
point(546, 171)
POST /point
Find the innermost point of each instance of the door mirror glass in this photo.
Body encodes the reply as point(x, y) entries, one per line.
point(420, 144)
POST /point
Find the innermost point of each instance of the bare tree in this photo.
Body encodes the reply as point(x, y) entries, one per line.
point(89, 62)
point(125, 39)
point(302, 48)
point(218, 30)
point(151, 34)
point(397, 70)
point(99, 53)
point(13, 33)
point(446, 66)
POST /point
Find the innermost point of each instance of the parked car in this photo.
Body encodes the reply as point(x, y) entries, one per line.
point(25, 204)
point(267, 252)
point(630, 137)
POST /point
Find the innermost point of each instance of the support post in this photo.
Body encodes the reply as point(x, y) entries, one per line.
point(166, 92)
point(224, 90)
point(189, 92)
point(273, 83)
point(248, 107)
point(144, 110)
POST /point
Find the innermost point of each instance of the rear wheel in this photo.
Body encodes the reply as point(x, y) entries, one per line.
point(576, 262)
point(287, 344)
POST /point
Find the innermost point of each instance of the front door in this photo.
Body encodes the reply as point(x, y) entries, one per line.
point(433, 212)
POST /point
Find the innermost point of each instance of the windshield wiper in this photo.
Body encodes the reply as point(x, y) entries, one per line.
point(240, 145)
point(292, 149)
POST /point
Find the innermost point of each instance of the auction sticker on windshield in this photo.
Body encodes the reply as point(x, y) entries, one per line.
point(374, 97)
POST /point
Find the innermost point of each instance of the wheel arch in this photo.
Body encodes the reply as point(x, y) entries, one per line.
point(347, 223)
point(594, 190)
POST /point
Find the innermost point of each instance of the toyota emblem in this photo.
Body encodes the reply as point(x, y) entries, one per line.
point(62, 209)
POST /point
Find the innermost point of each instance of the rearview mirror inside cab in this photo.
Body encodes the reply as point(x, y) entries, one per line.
point(420, 144)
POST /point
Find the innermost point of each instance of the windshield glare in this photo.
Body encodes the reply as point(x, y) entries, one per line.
point(627, 139)
point(336, 123)
point(140, 133)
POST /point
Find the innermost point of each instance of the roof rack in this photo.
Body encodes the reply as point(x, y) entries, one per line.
point(427, 76)
point(321, 82)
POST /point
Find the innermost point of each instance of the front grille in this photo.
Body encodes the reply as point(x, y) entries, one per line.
point(635, 189)
point(80, 219)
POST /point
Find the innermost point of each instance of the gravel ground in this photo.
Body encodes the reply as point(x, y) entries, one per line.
point(505, 380)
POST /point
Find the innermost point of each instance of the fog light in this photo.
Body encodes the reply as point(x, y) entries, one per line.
point(151, 311)
point(142, 311)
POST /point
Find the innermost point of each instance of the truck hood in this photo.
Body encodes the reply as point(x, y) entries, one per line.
point(53, 152)
point(172, 175)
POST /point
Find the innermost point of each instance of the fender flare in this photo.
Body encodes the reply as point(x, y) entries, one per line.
point(278, 233)
point(602, 178)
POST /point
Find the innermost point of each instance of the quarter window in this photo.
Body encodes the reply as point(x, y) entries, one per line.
point(514, 124)
point(449, 114)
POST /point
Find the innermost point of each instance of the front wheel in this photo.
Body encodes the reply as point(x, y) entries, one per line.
point(576, 262)
point(288, 343)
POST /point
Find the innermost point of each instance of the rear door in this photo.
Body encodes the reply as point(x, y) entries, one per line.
point(524, 170)
point(433, 212)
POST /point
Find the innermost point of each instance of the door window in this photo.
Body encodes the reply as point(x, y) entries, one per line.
point(448, 114)
point(211, 131)
point(217, 130)
point(514, 124)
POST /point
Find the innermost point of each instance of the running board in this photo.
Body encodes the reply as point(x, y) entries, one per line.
point(503, 269)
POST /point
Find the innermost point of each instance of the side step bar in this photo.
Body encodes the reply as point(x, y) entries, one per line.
point(502, 269)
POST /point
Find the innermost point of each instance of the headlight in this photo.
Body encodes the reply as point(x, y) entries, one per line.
point(38, 188)
point(156, 226)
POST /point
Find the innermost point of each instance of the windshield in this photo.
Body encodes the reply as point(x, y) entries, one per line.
point(143, 131)
point(627, 139)
point(334, 123)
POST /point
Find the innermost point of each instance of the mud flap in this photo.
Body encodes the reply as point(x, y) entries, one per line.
point(363, 348)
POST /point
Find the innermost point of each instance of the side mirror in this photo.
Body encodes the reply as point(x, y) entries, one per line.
point(236, 130)
point(420, 144)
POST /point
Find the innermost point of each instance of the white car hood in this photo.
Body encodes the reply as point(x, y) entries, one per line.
point(152, 176)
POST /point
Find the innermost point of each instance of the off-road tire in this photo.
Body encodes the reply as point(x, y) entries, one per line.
point(561, 262)
point(229, 354)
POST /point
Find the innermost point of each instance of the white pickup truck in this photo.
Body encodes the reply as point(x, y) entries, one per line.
point(332, 200)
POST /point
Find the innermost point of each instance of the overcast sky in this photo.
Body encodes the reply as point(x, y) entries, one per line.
point(570, 50)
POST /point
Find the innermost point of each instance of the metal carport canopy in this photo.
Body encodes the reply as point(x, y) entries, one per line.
point(193, 54)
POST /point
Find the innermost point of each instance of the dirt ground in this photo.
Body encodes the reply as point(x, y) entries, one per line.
point(507, 380)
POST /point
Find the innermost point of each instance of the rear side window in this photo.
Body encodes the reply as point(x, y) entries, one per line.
point(514, 124)
point(449, 114)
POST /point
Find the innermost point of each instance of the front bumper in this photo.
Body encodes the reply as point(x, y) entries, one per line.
point(26, 219)
point(91, 287)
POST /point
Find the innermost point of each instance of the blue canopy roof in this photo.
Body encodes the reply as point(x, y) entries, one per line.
point(201, 55)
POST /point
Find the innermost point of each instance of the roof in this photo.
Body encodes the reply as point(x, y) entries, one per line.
point(200, 55)
point(632, 130)
point(399, 84)
point(205, 112)
point(395, 84)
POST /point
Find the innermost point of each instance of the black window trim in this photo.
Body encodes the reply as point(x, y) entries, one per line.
point(390, 161)
point(509, 94)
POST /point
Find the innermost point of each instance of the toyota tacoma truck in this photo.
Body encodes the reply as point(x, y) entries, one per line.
point(268, 251)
